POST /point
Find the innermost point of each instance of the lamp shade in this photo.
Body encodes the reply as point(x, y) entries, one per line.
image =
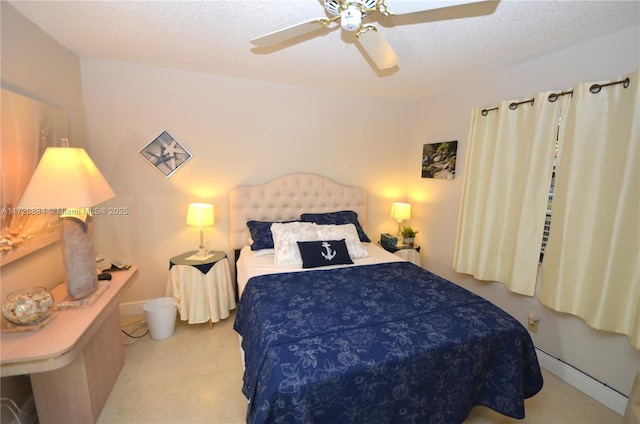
point(200, 215)
point(401, 211)
point(65, 177)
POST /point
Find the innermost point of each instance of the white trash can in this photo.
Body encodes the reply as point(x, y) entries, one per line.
point(161, 317)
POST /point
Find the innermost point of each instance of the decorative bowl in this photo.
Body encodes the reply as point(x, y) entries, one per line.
point(28, 306)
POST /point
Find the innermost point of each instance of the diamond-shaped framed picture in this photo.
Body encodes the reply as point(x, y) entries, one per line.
point(166, 154)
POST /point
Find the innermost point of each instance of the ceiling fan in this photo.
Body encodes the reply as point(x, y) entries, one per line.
point(351, 14)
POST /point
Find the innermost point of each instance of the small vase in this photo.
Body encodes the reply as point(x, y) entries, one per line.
point(408, 240)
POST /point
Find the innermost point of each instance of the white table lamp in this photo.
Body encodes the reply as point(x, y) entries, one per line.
point(401, 212)
point(66, 182)
point(200, 215)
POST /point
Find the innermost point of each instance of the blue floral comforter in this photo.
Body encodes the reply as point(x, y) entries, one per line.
point(384, 343)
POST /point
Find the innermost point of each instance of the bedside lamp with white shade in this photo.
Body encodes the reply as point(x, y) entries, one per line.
point(67, 182)
point(200, 215)
point(401, 212)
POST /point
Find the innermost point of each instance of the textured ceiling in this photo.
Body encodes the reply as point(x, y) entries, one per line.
point(437, 49)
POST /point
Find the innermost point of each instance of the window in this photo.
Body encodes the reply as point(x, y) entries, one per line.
point(547, 220)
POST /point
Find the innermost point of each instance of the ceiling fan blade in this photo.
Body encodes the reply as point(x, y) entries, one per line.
point(377, 47)
point(291, 32)
point(400, 7)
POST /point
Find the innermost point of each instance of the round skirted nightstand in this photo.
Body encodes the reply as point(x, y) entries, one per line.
point(410, 252)
point(202, 287)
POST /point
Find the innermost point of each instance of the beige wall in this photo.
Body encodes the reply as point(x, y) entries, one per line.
point(239, 132)
point(37, 66)
point(605, 356)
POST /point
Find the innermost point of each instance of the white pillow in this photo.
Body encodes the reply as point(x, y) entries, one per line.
point(263, 252)
point(349, 233)
point(285, 240)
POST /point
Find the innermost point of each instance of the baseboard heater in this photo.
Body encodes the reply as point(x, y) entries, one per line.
point(588, 385)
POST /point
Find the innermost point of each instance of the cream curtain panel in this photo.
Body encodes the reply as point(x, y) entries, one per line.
point(506, 190)
point(591, 266)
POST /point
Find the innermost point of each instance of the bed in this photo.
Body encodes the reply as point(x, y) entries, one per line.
point(370, 338)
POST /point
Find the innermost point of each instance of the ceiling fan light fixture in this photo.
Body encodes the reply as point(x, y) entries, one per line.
point(351, 18)
point(352, 13)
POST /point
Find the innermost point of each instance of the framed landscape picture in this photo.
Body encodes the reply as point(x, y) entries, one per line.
point(439, 160)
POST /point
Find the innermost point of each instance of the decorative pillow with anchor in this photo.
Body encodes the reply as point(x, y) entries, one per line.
point(324, 253)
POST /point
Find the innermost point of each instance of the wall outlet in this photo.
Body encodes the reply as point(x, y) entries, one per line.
point(532, 324)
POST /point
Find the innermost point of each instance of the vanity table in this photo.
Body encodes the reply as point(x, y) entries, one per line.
point(74, 360)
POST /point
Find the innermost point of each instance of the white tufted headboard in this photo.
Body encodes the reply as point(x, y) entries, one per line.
point(286, 198)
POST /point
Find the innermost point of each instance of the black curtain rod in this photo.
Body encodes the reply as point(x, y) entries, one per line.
point(512, 106)
point(595, 88)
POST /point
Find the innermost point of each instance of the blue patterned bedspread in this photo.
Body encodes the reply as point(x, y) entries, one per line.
point(384, 343)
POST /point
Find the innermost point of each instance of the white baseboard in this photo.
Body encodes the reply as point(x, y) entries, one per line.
point(132, 308)
point(583, 382)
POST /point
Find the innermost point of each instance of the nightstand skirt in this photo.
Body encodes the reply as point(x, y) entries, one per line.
point(202, 297)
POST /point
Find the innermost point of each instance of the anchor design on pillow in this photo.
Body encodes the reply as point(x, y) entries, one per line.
point(329, 254)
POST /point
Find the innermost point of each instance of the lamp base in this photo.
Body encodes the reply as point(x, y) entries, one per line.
point(399, 233)
point(87, 300)
point(79, 256)
point(202, 252)
point(197, 256)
